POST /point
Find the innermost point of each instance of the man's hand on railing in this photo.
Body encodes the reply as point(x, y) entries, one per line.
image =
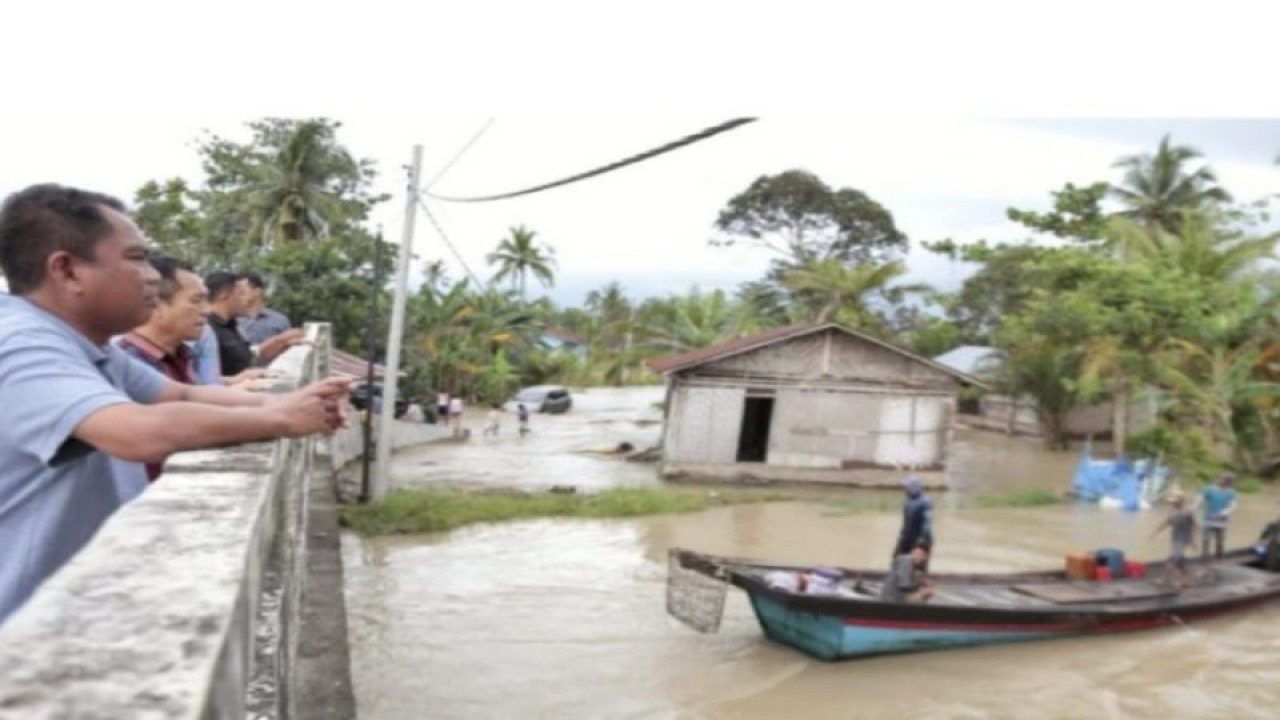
point(317, 408)
point(273, 346)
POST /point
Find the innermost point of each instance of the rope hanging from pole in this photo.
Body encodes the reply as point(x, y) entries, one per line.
point(688, 140)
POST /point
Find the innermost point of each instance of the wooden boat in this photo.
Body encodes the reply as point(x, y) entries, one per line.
point(966, 609)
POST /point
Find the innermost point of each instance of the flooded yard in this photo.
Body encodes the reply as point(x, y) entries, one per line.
point(566, 618)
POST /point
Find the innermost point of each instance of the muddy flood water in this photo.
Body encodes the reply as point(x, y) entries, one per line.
point(566, 618)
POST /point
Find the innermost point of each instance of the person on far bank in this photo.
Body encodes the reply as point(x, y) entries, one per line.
point(522, 417)
point(82, 416)
point(455, 414)
point(493, 421)
point(917, 521)
point(1219, 502)
point(228, 299)
point(442, 408)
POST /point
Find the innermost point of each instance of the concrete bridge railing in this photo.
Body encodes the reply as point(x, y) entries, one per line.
point(191, 601)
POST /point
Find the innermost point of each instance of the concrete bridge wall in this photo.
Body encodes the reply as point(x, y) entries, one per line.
point(216, 594)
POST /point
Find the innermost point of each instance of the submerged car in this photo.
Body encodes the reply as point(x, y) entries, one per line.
point(360, 398)
point(549, 399)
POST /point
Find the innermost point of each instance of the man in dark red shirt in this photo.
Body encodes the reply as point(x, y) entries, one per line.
point(179, 316)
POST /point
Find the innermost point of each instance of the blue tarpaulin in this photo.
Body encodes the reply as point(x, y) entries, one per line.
point(1132, 484)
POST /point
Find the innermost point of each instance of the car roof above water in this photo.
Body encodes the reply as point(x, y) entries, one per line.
point(538, 391)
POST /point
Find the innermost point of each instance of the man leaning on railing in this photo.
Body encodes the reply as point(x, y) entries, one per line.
point(82, 416)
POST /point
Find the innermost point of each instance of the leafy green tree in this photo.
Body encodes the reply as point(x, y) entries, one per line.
point(804, 220)
point(293, 180)
point(499, 381)
point(1077, 213)
point(925, 334)
point(167, 214)
point(1002, 285)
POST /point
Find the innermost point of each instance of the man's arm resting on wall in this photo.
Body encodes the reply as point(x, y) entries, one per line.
point(149, 433)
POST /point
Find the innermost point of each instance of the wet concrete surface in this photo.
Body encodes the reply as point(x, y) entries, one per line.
point(566, 618)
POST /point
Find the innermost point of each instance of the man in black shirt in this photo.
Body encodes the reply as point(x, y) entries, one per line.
point(227, 300)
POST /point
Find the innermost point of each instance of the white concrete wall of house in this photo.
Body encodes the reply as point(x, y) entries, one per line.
point(839, 402)
point(818, 426)
point(913, 431)
point(710, 422)
point(188, 602)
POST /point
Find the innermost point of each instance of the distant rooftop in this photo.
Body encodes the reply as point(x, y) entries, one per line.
point(979, 360)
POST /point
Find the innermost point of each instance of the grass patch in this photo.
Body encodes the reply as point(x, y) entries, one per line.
point(1030, 497)
point(441, 509)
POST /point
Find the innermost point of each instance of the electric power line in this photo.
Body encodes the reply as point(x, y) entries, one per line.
point(687, 140)
point(459, 154)
point(444, 236)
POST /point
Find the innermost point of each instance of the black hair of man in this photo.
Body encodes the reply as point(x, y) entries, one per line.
point(220, 283)
point(41, 220)
point(169, 267)
point(254, 279)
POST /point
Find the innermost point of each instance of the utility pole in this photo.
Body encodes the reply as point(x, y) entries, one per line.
point(371, 356)
point(391, 380)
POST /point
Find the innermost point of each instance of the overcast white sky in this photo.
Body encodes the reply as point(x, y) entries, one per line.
point(912, 106)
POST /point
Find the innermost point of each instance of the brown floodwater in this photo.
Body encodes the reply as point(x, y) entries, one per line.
point(566, 618)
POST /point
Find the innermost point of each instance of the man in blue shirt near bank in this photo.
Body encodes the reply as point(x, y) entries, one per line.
point(80, 415)
point(1219, 502)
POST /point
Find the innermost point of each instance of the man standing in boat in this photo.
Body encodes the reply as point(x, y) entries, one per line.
point(1219, 502)
point(917, 521)
point(1182, 535)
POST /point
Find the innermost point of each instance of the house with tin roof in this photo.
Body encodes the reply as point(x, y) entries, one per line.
point(808, 402)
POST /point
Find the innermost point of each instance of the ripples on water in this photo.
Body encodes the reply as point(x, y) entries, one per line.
point(566, 618)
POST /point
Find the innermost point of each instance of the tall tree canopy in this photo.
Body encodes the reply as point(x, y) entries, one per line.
point(291, 203)
point(797, 215)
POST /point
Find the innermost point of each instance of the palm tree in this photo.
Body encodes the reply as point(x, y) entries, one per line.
point(292, 192)
point(1200, 247)
point(831, 290)
point(517, 257)
point(693, 321)
point(760, 305)
point(1157, 187)
point(1213, 383)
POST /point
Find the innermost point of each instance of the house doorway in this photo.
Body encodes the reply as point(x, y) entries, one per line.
point(753, 442)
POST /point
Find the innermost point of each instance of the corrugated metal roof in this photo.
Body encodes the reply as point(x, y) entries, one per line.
point(347, 364)
point(727, 348)
point(971, 359)
point(673, 363)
